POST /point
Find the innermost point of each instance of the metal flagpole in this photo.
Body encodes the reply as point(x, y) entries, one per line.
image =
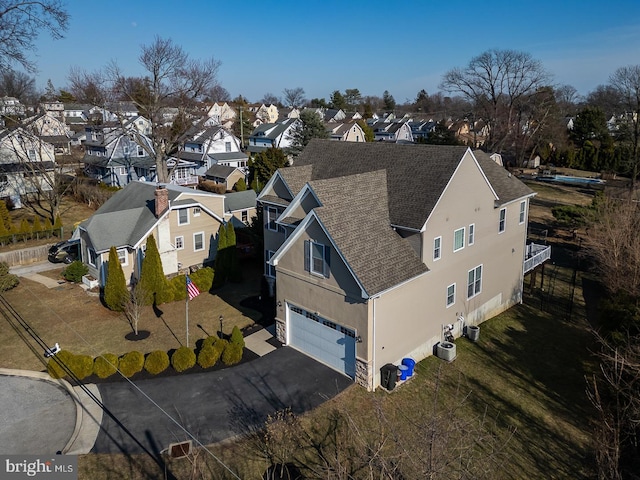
point(187, 316)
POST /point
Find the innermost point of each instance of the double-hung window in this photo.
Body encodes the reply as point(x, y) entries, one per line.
point(474, 283)
point(272, 215)
point(503, 220)
point(123, 257)
point(183, 216)
point(198, 241)
point(179, 243)
point(317, 258)
point(523, 209)
point(472, 234)
point(458, 239)
point(451, 295)
point(437, 248)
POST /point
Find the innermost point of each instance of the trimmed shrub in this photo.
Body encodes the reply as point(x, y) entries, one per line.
point(232, 354)
point(208, 356)
point(209, 341)
point(156, 362)
point(116, 292)
point(203, 278)
point(54, 368)
point(152, 276)
point(105, 365)
point(178, 285)
point(7, 280)
point(75, 271)
point(81, 366)
point(183, 359)
point(236, 336)
point(131, 363)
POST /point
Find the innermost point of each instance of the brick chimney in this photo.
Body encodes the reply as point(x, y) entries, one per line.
point(162, 200)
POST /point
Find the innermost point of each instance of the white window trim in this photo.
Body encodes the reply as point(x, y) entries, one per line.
point(437, 249)
point(181, 238)
point(475, 280)
point(502, 221)
point(454, 239)
point(471, 239)
point(312, 244)
point(196, 211)
point(275, 225)
point(454, 295)
point(125, 256)
point(523, 212)
point(95, 257)
point(188, 217)
point(194, 242)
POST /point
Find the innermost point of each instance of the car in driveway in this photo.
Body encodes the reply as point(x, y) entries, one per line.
point(64, 252)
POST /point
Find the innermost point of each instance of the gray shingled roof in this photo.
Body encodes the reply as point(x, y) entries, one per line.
point(360, 228)
point(126, 216)
point(239, 200)
point(506, 185)
point(416, 174)
point(221, 171)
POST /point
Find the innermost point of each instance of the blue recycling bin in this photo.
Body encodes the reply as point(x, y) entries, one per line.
point(410, 363)
point(402, 370)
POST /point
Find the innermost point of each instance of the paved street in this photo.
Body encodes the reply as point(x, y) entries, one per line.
point(216, 405)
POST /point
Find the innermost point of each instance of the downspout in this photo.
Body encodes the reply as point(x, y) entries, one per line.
point(373, 352)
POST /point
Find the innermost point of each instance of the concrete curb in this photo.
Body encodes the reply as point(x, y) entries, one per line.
point(80, 407)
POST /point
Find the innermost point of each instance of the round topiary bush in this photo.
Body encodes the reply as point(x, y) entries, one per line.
point(232, 354)
point(55, 364)
point(183, 359)
point(236, 337)
point(131, 363)
point(105, 365)
point(81, 366)
point(203, 278)
point(209, 341)
point(156, 362)
point(179, 287)
point(208, 357)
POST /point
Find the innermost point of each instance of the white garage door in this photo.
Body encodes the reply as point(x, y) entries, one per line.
point(327, 342)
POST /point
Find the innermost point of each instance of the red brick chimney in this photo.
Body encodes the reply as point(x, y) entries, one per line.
point(162, 200)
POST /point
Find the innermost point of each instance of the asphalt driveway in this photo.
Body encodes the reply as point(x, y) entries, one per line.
point(213, 406)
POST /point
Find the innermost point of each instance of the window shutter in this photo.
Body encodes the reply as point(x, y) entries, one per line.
point(327, 262)
point(307, 255)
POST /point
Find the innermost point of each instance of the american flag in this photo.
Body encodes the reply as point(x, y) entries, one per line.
point(192, 290)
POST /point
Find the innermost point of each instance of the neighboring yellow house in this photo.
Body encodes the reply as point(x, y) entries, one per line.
point(183, 221)
point(376, 251)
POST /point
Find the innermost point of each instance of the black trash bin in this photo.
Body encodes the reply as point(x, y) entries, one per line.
point(388, 376)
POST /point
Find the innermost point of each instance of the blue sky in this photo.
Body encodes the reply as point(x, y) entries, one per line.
point(327, 45)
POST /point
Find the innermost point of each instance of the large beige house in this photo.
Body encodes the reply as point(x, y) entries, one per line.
point(375, 251)
point(183, 221)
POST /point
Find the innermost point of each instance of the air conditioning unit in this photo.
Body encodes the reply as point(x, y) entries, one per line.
point(446, 351)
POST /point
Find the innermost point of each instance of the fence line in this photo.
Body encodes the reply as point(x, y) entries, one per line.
point(25, 255)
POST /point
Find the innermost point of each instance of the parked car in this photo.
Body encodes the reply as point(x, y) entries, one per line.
point(64, 252)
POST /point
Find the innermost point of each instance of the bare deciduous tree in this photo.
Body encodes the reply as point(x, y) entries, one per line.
point(18, 85)
point(496, 81)
point(293, 97)
point(173, 80)
point(626, 81)
point(134, 306)
point(20, 24)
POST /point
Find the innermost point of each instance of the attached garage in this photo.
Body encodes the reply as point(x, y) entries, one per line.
point(326, 341)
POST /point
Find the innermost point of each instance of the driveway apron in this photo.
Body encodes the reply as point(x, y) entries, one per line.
point(213, 406)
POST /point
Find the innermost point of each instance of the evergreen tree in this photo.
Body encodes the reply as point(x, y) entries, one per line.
point(115, 289)
point(369, 136)
point(4, 214)
point(47, 226)
point(235, 272)
point(25, 229)
point(312, 126)
point(264, 165)
point(221, 269)
point(337, 100)
point(152, 279)
point(240, 185)
point(57, 225)
point(389, 101)
point(36, 229)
